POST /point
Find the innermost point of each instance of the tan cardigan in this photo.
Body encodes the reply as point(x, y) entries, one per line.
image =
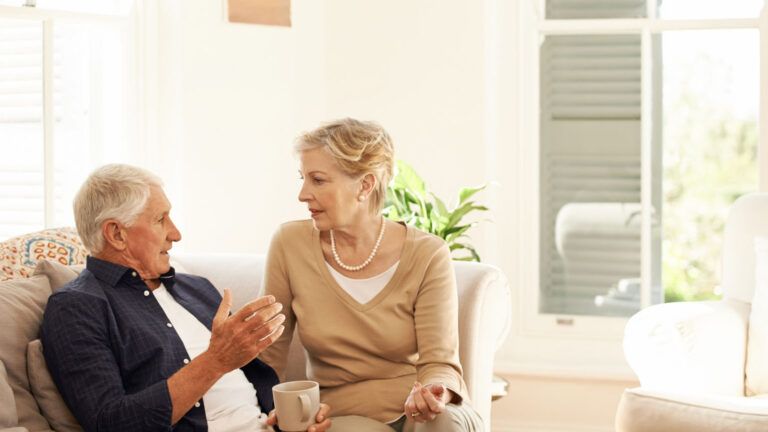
point(366, 357)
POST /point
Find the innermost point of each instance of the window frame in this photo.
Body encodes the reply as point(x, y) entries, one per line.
point(47, 19)
point(593, 342)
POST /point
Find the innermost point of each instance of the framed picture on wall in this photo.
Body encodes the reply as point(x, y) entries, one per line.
point(265, 12)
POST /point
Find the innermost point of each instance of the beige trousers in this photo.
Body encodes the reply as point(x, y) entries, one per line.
point(456, 418)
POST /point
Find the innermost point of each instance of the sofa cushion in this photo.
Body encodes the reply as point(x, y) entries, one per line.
point(756, 368)
point(8, 415)
point(19, 255)
point(58, 275)
point(47, 395)
point(22, 302)
point(643, 410)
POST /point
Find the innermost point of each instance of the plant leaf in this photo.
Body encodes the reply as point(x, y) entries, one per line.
point(408, 180)
point(462, 211)
point(466, 193)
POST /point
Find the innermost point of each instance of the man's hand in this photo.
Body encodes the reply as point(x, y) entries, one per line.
point(322, 422)
point(238, 339)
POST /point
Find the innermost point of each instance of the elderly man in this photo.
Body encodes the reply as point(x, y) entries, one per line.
point(133, 346)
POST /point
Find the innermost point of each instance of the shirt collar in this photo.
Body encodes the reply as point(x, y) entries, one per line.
point(113, 273)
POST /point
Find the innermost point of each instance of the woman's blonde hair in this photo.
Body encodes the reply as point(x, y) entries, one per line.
point(359, 147)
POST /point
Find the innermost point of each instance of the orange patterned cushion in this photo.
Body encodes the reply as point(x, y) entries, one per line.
point(19, 255)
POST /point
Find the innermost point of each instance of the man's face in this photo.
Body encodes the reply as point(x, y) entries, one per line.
point(151, 236)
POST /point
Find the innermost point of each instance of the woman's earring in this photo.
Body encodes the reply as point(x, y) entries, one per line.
point(361, 197)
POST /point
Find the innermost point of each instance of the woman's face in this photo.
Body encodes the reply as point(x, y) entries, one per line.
point(330, 194)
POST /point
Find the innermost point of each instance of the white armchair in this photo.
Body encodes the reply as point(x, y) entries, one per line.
point(692, 358)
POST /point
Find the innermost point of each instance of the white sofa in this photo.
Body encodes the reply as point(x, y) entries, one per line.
point(30, 402)
point(695, 360)
point(484, 313)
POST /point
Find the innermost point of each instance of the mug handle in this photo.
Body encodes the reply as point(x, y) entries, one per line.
point(305, 404)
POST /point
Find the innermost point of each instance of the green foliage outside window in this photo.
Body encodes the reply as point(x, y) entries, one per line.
point(710, 165)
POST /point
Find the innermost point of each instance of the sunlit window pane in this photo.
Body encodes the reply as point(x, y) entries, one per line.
point(21, 127)
point(709, 150)
point(590, 175)
point(698, 9)
point(591, 9)
point(89, 105)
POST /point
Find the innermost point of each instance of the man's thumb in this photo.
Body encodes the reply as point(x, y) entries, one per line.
point(223, 312)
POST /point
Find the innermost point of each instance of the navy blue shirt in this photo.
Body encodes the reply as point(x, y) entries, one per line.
point(110, 350)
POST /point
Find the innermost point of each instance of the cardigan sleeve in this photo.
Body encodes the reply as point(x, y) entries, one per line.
point(437, 329)
point(276, 283)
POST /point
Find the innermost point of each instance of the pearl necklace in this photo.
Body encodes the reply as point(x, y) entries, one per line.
point(367, 261)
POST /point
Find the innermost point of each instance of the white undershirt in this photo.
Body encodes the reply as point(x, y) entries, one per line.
point(231, 404)
point(363, 290)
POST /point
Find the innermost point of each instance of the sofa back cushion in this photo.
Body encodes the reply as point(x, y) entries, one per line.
point(8, 415)
point(47, 395)
point(22, 302)
point(756, 368)
point(19, 255)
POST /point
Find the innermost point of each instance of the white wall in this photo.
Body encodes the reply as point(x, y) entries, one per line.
point(231, 99)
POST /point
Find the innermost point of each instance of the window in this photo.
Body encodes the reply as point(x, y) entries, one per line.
point(64, 87)
point(648, 133)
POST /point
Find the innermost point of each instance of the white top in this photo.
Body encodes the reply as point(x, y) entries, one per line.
point(363, 290)
point(231, 404)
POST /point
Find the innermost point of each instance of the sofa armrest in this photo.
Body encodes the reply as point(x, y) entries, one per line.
point(689, 346)
point(484, 321)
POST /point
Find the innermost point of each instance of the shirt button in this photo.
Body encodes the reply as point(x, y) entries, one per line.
point(146, 293)
point(133, 274)
point(197, 404)
point(186, 361)
point(169, 325)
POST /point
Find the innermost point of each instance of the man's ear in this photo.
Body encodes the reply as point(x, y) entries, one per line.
point(114, 234)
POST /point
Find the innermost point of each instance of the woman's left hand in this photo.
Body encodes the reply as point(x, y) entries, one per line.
point(425, 403)
point(322, 422)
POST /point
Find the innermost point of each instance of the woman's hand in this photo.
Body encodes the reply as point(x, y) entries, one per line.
point(322, 422)
point(425, 403)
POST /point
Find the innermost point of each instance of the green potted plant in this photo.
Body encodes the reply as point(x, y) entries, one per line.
point(409, 200)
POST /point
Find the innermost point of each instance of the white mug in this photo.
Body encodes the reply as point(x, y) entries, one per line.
point(296, 404)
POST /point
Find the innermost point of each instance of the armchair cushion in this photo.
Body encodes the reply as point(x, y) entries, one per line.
point(672, 346)
point(47, 395)
point(642, 410)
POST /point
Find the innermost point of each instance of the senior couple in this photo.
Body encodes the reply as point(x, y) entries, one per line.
point(134, 346)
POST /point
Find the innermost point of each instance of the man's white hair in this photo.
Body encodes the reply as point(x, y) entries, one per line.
point(115, 191)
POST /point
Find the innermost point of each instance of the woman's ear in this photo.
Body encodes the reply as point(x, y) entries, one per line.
point(367, 185)
point(114, 234)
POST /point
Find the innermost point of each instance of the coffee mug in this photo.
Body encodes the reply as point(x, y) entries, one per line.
point(296, 404)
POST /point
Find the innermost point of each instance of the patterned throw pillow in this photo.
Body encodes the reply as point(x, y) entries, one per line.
point(19, 255)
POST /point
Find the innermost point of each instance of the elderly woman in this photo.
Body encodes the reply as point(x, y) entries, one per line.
point(374, 300)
